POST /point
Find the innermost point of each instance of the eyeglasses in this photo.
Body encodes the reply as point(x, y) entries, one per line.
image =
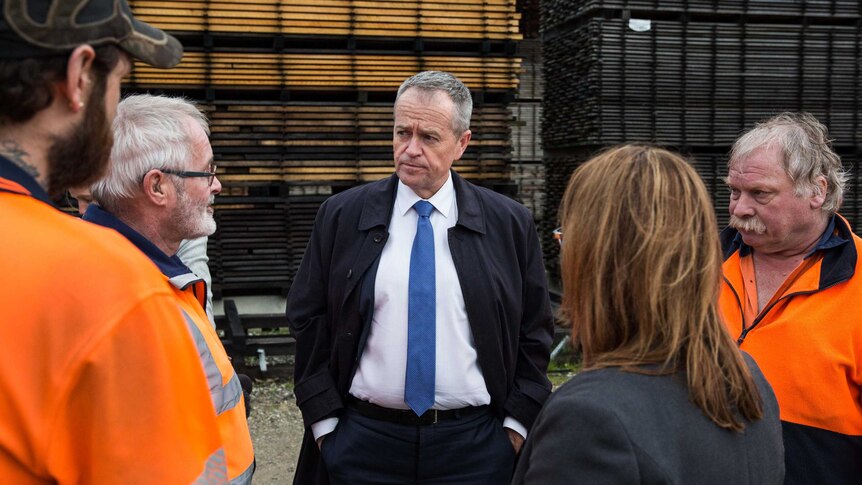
point(186, 174)
point(558, 236)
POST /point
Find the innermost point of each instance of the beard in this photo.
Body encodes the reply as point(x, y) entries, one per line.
point(748, 224)
point(193, 220)
point(80, 157)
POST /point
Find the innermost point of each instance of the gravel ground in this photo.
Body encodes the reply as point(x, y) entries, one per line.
point(276, 430)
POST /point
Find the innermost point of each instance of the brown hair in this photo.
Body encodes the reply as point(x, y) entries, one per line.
point(26, 84)
point(641, 269)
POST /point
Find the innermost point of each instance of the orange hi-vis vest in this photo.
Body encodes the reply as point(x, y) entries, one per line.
point(808, 343)
point(99, 377)
point(224, 386)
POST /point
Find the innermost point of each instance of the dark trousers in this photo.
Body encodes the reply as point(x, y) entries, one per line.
point(470, 450)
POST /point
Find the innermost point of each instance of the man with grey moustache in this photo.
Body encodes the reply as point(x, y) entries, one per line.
point(792, 275)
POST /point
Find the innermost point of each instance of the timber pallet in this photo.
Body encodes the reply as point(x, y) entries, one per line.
point(343, 44)
point(261, 70)
point(324, 143)
point(449, 19)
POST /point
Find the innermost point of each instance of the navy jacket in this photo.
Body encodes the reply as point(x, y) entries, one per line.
point(499, 265)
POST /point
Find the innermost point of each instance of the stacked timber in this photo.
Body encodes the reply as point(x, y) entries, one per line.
point(340, 144)
point(469, 19)
point(692, 75)
point(300, 94)
point(272, 70)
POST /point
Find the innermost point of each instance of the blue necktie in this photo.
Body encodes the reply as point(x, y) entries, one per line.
point(421, 315)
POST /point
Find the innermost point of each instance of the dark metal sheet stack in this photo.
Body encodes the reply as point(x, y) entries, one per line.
point(692, 75)
point(526, 169)
point(300, 96)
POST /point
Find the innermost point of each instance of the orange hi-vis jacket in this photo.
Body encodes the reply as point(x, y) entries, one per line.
point(808, 343)
point(99, 377)
point(224, 386)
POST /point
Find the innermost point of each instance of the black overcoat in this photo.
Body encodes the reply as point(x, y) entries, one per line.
point(498, 260)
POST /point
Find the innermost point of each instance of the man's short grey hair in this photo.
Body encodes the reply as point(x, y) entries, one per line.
point(149, 132)
point(452, 86)
point(808, 154)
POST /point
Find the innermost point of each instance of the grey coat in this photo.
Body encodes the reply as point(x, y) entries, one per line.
point(609, 426)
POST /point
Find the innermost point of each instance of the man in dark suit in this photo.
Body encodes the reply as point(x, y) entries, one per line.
point(421, 315)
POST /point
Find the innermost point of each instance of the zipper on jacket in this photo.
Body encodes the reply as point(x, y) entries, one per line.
point(767, 309)
point(741, 313)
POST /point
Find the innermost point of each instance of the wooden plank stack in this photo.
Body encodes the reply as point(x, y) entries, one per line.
point(340, 144)
point(268, 70)
point(692, 75)
point(300, 94)
point(470, 19)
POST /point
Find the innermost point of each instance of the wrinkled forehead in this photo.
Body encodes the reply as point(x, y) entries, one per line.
point(425, 96)
point(770, 153)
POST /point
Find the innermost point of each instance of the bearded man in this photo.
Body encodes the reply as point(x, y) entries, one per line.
point(101, 382)
point(793, 277)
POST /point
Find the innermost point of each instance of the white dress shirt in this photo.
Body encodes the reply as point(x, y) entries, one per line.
point(380, 376)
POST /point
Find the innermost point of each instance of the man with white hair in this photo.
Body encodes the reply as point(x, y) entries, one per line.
point(158, 190)
point(192, 252)
point(792, 278)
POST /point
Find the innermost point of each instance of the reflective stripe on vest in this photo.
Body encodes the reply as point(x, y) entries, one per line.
point(245, 477)
point(215, 470)
point(224, 397)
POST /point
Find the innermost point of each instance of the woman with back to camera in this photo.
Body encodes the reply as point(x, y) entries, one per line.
point(664, 395)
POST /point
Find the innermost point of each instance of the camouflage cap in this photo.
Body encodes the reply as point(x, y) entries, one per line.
point(32, 28)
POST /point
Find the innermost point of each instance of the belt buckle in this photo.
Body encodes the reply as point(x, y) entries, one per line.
point(435, 417)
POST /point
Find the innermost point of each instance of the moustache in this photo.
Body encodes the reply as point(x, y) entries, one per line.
point(748, 224)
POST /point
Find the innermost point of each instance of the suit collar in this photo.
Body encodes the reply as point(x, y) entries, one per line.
point(377, 208)
point(470, 211)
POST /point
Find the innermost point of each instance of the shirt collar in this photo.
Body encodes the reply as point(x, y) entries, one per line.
point(442, 200)
point(16, 174)
point(170, 266)
point(828, 240)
